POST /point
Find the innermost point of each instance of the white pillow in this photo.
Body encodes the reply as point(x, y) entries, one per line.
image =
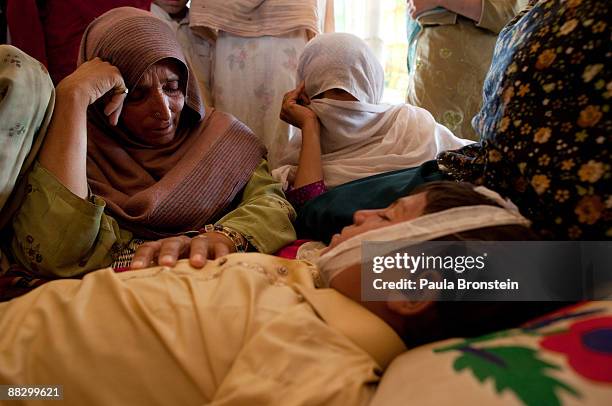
point(564, 358)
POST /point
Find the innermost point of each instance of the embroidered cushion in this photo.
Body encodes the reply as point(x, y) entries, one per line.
point(564, 358)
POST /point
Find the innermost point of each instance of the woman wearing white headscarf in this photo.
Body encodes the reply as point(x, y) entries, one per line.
point(347, 133)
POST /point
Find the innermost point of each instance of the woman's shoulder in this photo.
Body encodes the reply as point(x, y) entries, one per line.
point(214, 116)
point(221, 121)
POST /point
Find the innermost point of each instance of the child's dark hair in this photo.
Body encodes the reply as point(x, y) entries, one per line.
point(462, 319)
point(444, 195)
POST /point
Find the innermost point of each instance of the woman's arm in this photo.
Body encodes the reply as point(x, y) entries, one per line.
point(57, 233)
point(264, 216)
point(492, 15)
point(64, 152)
point(471, 9)
point(295, 113)
point(310, 169)
point(497, 13)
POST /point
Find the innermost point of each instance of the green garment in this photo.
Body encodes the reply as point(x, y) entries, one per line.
point(57, 233)
point(27, 98)
point(325, 215)
point(449, 58)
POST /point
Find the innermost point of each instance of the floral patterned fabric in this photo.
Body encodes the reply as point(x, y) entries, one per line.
point(563, 358)
point(251, 74)
point(545, 123)
point(250, 78)
point(27, 99)
point(299, 196)
point(449, 56)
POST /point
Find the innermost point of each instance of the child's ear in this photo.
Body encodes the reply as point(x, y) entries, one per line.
point(408, 307)
point(418, 301)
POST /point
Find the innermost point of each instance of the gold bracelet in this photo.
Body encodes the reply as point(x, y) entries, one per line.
point(240, 243)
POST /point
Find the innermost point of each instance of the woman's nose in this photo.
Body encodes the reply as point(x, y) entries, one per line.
point(161, 106)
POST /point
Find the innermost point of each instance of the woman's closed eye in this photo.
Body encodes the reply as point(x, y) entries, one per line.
point(384, 216)
point(172, 87)
point(136, 95)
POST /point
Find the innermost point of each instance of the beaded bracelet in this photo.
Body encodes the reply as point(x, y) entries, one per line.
point(240, 243)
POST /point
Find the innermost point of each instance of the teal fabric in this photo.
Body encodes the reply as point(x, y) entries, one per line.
point(322, 217)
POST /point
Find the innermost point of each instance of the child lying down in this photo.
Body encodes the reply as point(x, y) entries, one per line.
point(245, 329)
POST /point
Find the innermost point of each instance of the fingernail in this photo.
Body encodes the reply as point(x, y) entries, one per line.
point(166, 259)
point(197, 258)
point(137, 264)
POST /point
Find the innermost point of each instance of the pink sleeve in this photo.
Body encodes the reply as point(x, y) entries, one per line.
point(298, 197)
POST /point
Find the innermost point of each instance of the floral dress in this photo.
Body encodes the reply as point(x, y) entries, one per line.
point(545, 123)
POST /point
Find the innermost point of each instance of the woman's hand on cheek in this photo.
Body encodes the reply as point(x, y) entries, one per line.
point(293, 109)
point(92, 80)
point(168, 250)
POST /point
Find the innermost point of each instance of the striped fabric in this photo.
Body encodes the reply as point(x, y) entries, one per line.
point(255, 18)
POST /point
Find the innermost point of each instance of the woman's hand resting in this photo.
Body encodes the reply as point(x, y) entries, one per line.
point(168, 250)
point(293, 110)
point(92, 80)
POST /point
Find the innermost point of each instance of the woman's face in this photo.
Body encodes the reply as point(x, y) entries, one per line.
point(404, 209)
point(171, 6)
point(153, 108)
point(336, 94)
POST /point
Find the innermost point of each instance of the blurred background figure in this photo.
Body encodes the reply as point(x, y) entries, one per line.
point(198, 47)
point(3, 29)
point(51, 30)
point(450, 48)
point(256, 55)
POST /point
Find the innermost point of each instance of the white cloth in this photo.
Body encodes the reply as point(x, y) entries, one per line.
point(360, 138)
point(198, 50)
point(257, 18)
point(424, 228)
point(251, 76)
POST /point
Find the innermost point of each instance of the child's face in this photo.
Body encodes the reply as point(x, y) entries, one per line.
point(404, 209)
point(171, 6)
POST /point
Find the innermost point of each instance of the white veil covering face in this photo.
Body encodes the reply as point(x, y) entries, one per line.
point(360, 138)
point(424, 228)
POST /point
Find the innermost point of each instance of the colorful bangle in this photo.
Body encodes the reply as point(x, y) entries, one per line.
point(240, 243)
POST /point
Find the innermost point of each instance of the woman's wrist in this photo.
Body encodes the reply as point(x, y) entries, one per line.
point(233, 237)
point(312, 124)
point(311, 133)
point(71, 95)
